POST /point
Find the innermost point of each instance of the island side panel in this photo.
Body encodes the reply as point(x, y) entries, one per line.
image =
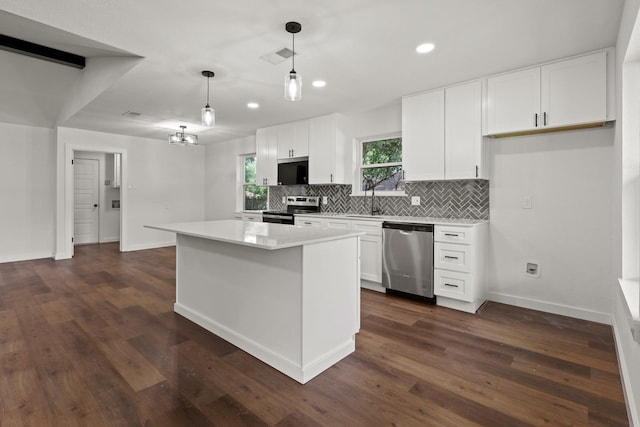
point(330, 303)
point(248, 296)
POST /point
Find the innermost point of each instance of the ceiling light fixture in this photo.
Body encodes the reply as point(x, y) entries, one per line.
point(293, 81)
point(208, 113)
point(425, 48)
point(319, 83)
point(182, 138)
point(253, 105)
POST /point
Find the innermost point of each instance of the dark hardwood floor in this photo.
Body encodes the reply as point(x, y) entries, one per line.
point(93, 341)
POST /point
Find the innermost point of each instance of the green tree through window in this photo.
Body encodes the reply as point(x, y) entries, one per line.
point(255, 196)
point(381, 166)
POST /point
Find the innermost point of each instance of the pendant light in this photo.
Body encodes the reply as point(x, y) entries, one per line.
point(182, 138)
point(208, 113)
point(293, 80)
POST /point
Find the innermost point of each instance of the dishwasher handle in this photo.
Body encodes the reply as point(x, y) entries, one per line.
point(408, 226)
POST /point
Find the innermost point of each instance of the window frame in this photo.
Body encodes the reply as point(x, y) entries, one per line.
point(358, 166)
point(242, 184)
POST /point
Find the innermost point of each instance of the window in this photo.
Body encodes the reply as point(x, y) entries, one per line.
point(255, 196)
point(381, 165)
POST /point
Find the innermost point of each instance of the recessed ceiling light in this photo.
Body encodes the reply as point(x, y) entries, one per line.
point(319, 83)
point(425, 48)
point(253, 105)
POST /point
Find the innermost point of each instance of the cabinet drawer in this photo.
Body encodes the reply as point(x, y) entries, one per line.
point(462, 235)
point(372, 228)
point(340, 224)
point(450, 256)
point(309, 222)
point(452, 284)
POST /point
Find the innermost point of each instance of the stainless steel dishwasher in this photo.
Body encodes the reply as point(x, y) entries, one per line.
point(407, 258)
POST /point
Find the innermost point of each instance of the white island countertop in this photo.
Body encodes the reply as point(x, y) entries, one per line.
point(256, 234)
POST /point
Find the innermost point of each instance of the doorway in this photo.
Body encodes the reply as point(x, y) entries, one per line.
point(86, 201)
point(96, 197)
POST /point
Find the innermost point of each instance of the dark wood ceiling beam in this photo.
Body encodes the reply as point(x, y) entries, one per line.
point(39, 51)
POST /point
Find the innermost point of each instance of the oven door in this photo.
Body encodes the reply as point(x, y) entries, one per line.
point(277, 218)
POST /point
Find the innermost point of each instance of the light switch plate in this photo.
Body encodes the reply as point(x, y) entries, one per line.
point(325, 200)
point(415, 200)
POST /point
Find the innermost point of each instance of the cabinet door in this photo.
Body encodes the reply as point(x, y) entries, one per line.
point(423, 136)
point(371, 258)
point(266, 163)
point(575, 91)
point(326, 150)
point(293, 140)
point(513, 102)
point(463, 132)
point(340, 224)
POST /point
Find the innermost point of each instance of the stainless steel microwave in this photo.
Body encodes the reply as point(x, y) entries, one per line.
point(293, 173)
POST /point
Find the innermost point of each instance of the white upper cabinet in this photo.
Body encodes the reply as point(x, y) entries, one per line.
point(423, 136)
point(575, 91)
point(327, 147)
point(513, 101)
point(463, 132)
point(266, 152)
point(293, 139)
point(561, 94)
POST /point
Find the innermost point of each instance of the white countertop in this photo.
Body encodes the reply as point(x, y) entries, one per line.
point(412, 219)
point(256, 234)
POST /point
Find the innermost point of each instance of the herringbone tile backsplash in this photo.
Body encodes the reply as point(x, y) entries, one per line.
point(468, 199)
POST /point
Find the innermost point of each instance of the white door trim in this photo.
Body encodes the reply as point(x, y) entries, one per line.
point(64, 190)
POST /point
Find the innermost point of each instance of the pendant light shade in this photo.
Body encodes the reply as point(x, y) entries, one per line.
point(293, 80)
point(208, 113)
point(293, 86)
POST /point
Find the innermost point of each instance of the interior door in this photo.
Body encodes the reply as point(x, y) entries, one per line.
point(86, 200)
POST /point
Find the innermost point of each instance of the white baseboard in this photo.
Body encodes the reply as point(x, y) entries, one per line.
point(26, 257)
point(145, 246)
point(548, 307)
point(110, 239)
point(372, 286)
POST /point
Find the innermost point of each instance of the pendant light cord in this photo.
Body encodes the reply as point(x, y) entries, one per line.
point(208, 78)
point(293, 56)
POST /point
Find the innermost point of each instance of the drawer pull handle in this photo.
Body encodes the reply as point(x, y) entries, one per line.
point(451, 235)
point(450, 257)
point(450, 285)
point(307, 223)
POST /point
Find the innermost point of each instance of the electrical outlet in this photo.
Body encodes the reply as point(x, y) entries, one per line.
point(284, 199)
point(415, 200)
point(532, 268)
point(325, 200)
point(526, 202)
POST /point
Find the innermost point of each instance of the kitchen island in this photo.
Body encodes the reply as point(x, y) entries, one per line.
point(285, 294)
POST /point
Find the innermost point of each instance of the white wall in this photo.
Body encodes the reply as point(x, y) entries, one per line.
point(162, 183)
point(26, 192)
point(568, 230)
point(221, 171)
point(109, 218)
point(626, 197)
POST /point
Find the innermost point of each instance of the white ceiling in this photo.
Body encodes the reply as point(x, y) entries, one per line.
point(364, 49)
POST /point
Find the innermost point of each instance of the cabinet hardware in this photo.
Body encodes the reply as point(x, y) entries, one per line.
point(450, 285)
point(450, 257)
point(536, 121)
point(451, 235)
point(476, 171)
point(307, 223)
point(544, 116)
point(331, 178)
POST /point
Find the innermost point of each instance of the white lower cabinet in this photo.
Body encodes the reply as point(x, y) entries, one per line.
point(370, 243)
point(251, 216)
point(460, 273)
point(370, 250)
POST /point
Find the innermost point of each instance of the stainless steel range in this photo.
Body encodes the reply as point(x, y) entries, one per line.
point(295, 204)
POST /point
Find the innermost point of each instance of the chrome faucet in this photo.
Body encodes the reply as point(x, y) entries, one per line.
point(374, 210)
